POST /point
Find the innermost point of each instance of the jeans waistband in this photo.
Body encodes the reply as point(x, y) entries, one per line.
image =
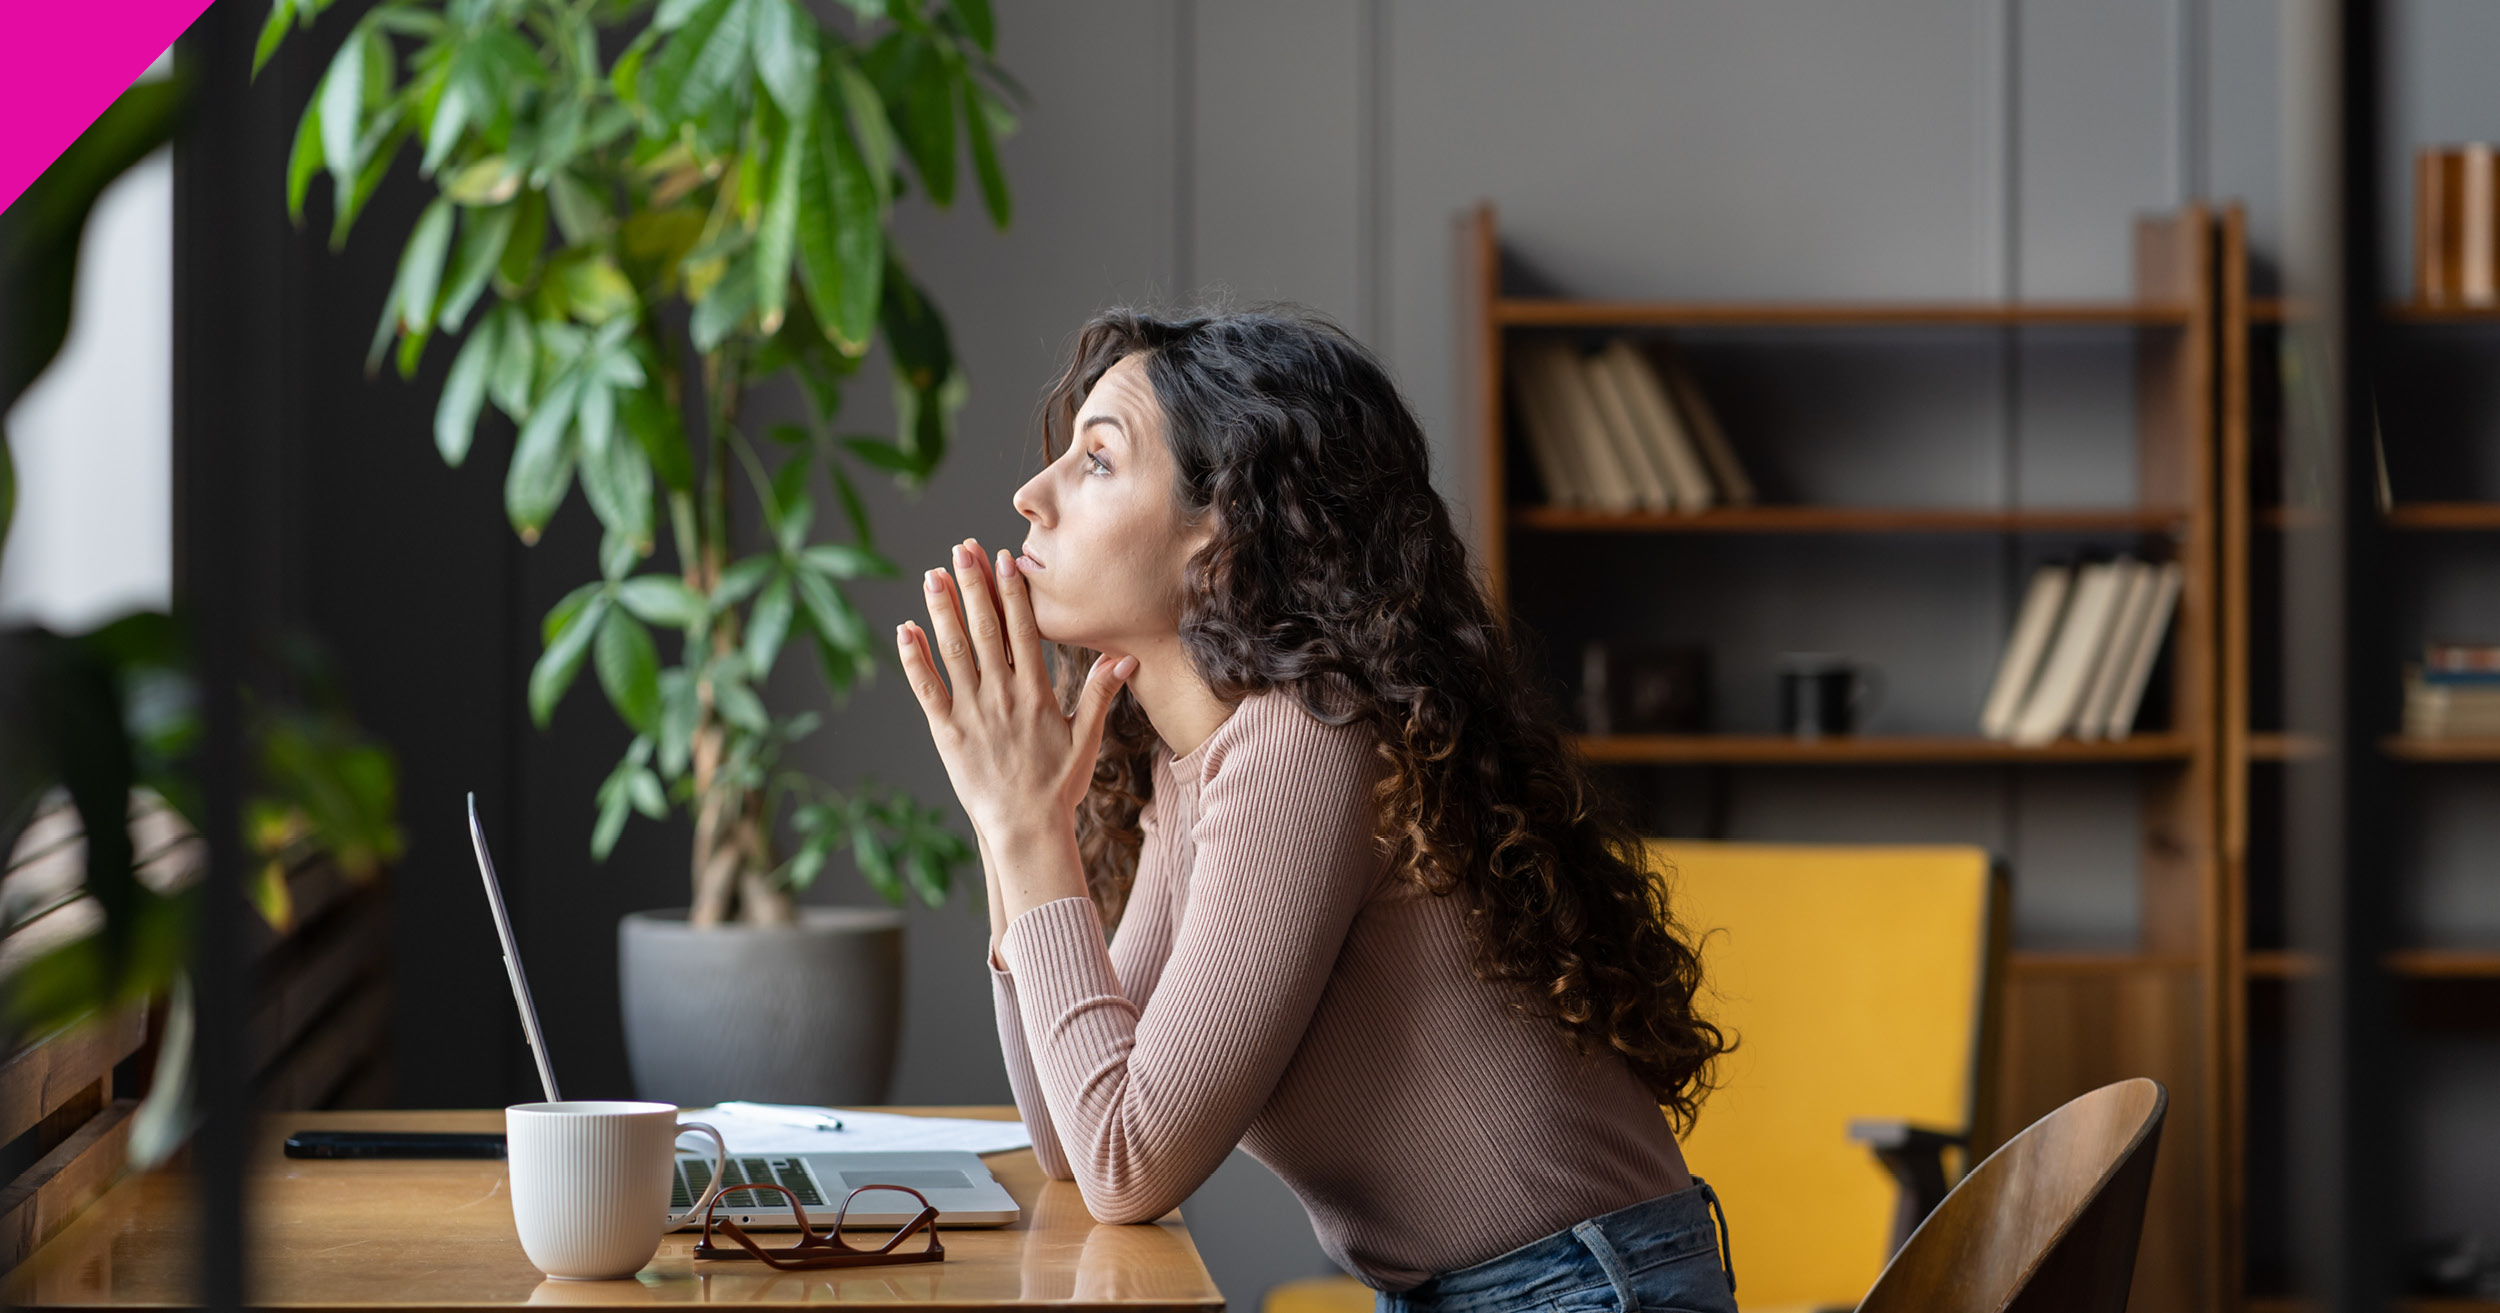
point(1637, 1236)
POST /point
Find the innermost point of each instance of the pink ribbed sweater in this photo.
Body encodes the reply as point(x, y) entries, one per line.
point(1274, 985)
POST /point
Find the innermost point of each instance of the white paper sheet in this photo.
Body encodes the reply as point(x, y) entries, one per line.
point(789, 1128)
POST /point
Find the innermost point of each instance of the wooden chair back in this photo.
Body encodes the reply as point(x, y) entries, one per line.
point(2048, 1224)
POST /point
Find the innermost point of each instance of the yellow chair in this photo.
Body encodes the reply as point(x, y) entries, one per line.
point(1858, 983)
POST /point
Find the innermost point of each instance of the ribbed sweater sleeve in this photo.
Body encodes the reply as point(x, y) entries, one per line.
point(1138, 949)
point(1020, 1079)
point(1148, 1097)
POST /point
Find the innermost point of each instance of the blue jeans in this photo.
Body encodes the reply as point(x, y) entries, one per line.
point(1656, 1256)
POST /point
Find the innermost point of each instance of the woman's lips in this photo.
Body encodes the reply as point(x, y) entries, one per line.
point(1029, 561)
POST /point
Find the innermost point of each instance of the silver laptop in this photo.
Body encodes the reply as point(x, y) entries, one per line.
point(958, 1184)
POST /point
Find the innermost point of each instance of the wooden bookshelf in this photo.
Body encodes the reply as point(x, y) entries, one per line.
point(1873, 749)
point(2069, 1022)
point(2250, 872)
point(1555, 312)
point(1849, 519)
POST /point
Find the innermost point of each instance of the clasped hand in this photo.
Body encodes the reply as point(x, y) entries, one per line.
point(1019, 763)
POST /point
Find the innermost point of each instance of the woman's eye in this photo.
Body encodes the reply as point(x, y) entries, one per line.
point(1094, 464)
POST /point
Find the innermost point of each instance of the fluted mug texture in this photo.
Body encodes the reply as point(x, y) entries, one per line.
point(590, 1183)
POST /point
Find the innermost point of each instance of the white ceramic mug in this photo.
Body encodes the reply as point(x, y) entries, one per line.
point(591, 1181)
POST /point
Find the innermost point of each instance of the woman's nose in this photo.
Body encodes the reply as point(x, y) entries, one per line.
point(1032, 501)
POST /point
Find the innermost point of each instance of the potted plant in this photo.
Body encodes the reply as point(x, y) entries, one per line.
point(632, 244)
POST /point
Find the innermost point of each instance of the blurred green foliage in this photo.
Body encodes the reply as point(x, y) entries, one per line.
point(630, 242)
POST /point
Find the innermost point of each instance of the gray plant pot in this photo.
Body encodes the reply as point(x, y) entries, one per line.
point(806, 1013)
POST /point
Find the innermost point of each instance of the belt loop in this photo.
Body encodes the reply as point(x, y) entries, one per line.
point(1727, 1256)
point(1603, 1251)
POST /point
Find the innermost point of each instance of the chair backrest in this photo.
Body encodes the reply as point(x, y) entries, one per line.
point(2048, 1224)
point(1858, 983)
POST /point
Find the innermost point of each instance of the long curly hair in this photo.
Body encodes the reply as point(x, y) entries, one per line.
point(1334, 574)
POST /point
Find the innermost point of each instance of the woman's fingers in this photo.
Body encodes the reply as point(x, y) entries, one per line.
point(989, 645)
point(946, 627)
point(912, 647)
point(1093, 705)
point(1024, 637)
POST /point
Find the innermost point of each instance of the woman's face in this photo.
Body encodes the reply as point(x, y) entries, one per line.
point(1106, 542)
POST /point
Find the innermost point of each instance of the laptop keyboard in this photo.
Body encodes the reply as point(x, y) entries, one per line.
point(694, 1174)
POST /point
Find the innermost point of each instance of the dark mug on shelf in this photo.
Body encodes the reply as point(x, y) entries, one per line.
point(1823, 695)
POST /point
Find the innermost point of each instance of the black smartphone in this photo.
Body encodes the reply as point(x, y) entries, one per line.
point(395, 1144)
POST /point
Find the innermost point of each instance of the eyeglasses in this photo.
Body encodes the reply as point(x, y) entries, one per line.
point(820, 1251)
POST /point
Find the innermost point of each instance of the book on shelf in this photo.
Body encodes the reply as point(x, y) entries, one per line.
point(2454, 692)
point(1660, 430)
point(1573, 399)
point(2082, 652)
point(1653, 481)
point(2082, 631)
point(2456, 225)
point(1611, 431)
point(2126, 615)
point(1551, 447)
point(1703, 423)
point(2020, 663)
point(2153, 625)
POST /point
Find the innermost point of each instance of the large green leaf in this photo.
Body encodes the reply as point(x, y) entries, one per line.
point(768, 625)
point(979, 24)
point(562, 659)
point(462, 97)
point(304, 160)
point(410, 309)
point(701, 59)
point(629, 669)
point(514, 371)
point(272, 31)
point(341, 99)
point(831, 613)
point(776, 236)
point(662, 599)
point(841, 238)
point(542, 461)
point(482, 237)
point(870, 126)
point(464, 392)
point(785, 54)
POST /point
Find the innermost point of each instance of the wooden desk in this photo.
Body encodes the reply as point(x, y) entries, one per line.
point(438, 1234)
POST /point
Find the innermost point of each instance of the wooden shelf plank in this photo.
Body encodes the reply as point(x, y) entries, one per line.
point(1848, 519)
point(1872, 749)
point(2284, 747)
point(2407, 517)
point(2445, 516)
point(2034, 962)
point(2279, 964)
point(1556, 312)
point(2409, 963)
point(2417, 312)
point(2404, 748)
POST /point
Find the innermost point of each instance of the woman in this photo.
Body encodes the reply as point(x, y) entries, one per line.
point(1374, 925)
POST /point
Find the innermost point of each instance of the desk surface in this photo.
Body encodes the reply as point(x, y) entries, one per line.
point(438, 1234)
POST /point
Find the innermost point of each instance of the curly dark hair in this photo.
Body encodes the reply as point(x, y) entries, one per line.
point(1335, 574)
